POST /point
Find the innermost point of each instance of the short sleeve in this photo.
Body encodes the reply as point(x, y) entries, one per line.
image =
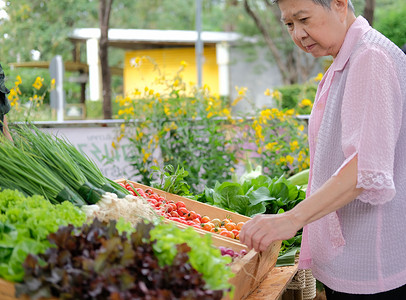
point(371, 119)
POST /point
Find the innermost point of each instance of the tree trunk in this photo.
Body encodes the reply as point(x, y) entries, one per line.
point(104, 18)
point(369, 11)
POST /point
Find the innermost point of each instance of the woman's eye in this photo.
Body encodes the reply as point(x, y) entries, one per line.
point(289, 25)
point(303, 20)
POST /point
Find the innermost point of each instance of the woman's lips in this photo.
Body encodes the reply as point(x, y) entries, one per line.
point(309, 47)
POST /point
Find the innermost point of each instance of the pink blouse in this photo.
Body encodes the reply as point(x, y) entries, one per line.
point(360, 110)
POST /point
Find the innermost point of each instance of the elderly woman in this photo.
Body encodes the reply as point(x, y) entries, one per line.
point(354, 215)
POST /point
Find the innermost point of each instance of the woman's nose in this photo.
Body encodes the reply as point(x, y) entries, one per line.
point(300, 33)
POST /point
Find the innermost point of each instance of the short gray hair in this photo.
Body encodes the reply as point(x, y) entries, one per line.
point(325, 3)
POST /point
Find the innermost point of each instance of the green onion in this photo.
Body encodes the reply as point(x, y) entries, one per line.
point(49, 151)
point(21, 169)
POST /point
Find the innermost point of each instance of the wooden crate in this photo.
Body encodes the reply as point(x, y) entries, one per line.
point(249, 270)
point(7, 292)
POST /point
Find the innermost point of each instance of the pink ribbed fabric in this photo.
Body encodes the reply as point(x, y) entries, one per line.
point(360, 110)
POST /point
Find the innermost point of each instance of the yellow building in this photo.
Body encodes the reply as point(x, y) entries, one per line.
point(168, 48)
point(143, 67)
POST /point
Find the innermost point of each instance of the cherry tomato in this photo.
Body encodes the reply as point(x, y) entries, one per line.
point(173, 205)
point(227, 234)
point(191, 215)
point(239, 225)
point(230, 226)
point(182, 211)
point(205, 219)
point(174, 214)
point(235, 231)
point(154, 196)
point(180, 204)
point(152, 201)
point(216, 222)
point(207, 226)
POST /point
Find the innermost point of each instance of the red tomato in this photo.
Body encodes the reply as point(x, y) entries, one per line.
point(168, 208)
point(174, 214)
point(180, 204)
point(141, 192)
point(182, 211)
point(191, 215)
point(152, 201)
point(235, 231)
point(173, 205)
point(154, 196)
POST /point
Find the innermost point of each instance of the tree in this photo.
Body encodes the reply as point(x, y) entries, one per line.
point(369, 9)
point(104, 18)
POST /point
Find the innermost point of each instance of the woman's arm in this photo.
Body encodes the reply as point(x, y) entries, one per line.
point(338, 191)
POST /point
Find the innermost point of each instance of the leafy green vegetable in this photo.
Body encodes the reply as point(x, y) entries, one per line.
point(258, 195)
point(255, 196)
point(171, 180)
point(97, 262)
point(205, 258)
point(25, 223)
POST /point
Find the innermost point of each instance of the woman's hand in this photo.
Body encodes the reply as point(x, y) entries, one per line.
point(262, 230)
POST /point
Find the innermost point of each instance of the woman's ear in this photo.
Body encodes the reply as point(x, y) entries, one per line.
point(341, 7)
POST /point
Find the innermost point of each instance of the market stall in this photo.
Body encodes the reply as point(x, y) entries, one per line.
point(66, 231)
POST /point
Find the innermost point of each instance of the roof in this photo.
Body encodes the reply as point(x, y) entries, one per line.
point(136, 38)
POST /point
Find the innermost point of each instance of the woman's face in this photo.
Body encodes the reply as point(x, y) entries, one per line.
point(315, 29)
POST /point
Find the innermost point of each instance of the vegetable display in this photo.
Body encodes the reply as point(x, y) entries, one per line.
point(177, 211)
point(25, 223)
point(96, 261)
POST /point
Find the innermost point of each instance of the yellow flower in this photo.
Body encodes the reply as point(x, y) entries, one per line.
point(209, 115)
point(53, 83)
point(176, 83)
point(294, 145)
point(259, 151)
point(276, 95)
point(319, 77)
point(290, 159)
point(183, 63)
point(113, 144)
point(270, 146)
point(267, 92)
point(301, 127)
point(146, 156)
point(38, 83)
point(19, 81)
point(238, 99)
point(290, 112)
point(306, 102)
point(282, 159)
point(122, 127)
point(166, 110)
point(119, 138)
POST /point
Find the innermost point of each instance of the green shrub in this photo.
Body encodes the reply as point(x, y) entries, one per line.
point(391, 23)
